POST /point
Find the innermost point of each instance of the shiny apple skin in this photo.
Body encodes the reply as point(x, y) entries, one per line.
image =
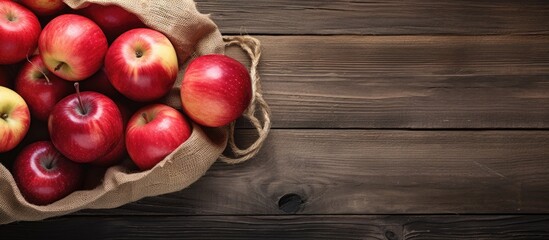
point(84, 136)
point(149, 140)
point(14, 119)
point(145, 77)
point(75, 41)
point(19, 32)
point(41, 94)
point(116, 155)
point(216, 89)
point(44, 176)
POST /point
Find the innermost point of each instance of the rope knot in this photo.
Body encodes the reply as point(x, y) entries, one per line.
point(258, 105)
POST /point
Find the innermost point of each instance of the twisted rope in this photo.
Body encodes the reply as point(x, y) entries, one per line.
point(262, 124)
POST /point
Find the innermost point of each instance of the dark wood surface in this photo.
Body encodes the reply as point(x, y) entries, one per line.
point(391, 120)
point(406, 81)
point(328, 227)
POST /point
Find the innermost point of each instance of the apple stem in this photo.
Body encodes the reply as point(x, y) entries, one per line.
point(49, 165)
point(4, 116)
point(38, 69)
point(145, 117)
point(77, 87)
point(59, 66)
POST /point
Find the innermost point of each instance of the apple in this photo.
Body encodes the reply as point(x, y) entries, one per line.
point(153, 132)
point(117, 154)
point(72, 47)
point(43, 175)
point(216, 89)
point(113, 157)
point(44, 7)
point(142, 64)
point(113, 19)
point(85, 126)
point(40, 88)
point(19, 32)
point(14, 119)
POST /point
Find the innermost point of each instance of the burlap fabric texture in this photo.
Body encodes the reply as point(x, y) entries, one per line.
point(192, 34)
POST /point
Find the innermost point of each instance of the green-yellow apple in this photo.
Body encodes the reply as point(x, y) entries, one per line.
point(72, 47)
point(14, 119)
point(142, 64)
point(19, 31)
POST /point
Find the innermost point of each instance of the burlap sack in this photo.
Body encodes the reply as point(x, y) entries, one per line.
point(192, 34)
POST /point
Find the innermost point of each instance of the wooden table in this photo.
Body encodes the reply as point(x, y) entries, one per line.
point(392, 120)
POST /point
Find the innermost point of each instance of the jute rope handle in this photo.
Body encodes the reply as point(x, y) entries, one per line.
point(258, 106)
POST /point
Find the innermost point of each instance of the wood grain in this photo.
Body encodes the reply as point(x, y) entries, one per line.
point(380, 108)
point(476, 227)
point(197, 227)
point(406, 81)
point(285, 227)
point(372, 172)
point(391, 17)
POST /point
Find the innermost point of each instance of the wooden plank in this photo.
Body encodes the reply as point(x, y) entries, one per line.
point(285, 227)
point(476, 227)
point(406, 81)
point(371, 172)
point(391, 17)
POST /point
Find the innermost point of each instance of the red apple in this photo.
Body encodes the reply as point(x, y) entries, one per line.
point(142, 64)
point(19, 31)
point(44, 7)
point(113, 19)
point(14, 119)
point(85, 126)
point(216, 90)
point(40, 88)
point(72, 47)
point(117, 154)
point(44, 175)
point(114, 157)
point(153, 132)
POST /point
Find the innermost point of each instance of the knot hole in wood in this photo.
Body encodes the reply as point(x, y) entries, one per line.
point(390, 235)
point(290, 203)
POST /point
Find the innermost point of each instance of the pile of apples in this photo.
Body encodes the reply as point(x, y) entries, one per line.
point(81, 90)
